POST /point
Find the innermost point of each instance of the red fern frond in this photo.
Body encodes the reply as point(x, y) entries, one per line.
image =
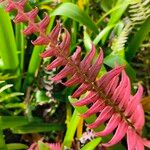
point(109, 95)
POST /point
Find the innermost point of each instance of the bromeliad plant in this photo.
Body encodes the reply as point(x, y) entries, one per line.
point(108, 96)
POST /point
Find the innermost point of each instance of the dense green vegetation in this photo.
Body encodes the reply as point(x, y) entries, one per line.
point(33, 108)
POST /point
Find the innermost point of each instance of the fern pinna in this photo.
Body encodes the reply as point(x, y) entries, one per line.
point(109, 96)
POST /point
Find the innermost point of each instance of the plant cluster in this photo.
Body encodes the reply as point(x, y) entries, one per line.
point(108, 97)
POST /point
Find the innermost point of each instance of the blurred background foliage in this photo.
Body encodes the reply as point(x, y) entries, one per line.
point(32, 107)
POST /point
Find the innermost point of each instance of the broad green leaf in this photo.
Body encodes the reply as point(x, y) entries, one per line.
point(12, 121)
point(8, 49)
point(74, 12)
point(116, 15)
point(92, 144)
point(137, 40)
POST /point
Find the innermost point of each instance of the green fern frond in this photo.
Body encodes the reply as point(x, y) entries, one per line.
point(5, 95)
point(5, 87)
point(9, 96)
point(4, 77)
point(119, 43)
point(139, 12)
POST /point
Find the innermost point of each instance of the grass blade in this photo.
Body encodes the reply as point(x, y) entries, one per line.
point(20, 41)
point(92, 144)
point(16, 146)
point(9, 96)
point(37, 127)
point(71, 129)
point(2, 141)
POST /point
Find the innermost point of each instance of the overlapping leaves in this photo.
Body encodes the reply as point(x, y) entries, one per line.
point(109, 96)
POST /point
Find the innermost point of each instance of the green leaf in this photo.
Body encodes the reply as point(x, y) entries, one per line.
point(71, 129)
point(74, 12)
point(87, 41)
point(92, 144)
point(16, 146)
point(35, 60)
point(138, 39)
point(15, 105)
point(2, 141)
point(33, 65)
point(82, 110)
point(101, 34)
point(116, 15)
point(111, 60)
point(12, 121)
point(8, 51)
point(5, 87)
point(38, 127)
point(20, 41)
point(107, 13)
point(42, 146)
point(107, 5)
point(4, 77)
point(41, 97)
point(9, 96)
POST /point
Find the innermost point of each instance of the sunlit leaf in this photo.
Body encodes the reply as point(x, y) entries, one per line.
point(76, 14)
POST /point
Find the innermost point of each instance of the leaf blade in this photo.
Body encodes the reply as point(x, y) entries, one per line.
point(76, 14)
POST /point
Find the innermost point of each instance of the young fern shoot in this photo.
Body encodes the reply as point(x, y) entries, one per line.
point(110, 96)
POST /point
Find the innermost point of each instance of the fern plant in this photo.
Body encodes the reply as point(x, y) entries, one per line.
point(119, 42)
point(109, 96)
point(5, 96)
point(138, 12)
